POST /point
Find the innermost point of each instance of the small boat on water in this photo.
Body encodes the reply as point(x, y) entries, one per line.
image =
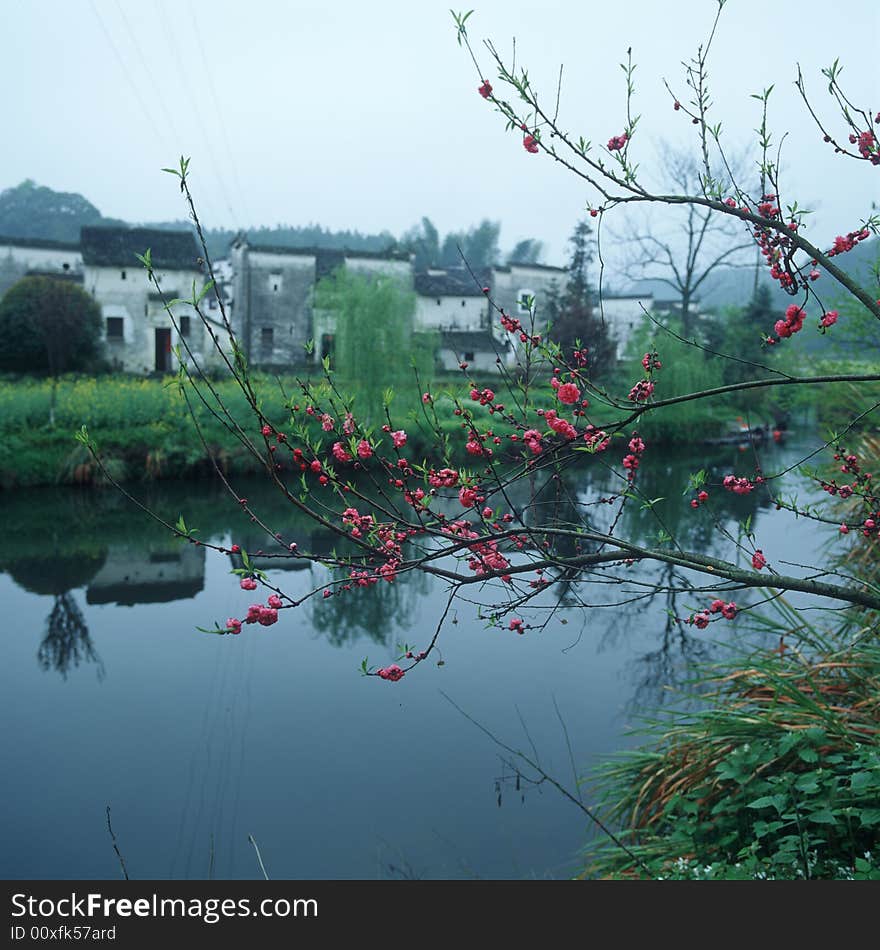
point(741, 433)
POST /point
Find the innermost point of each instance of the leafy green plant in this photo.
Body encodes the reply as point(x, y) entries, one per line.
point(776, 774)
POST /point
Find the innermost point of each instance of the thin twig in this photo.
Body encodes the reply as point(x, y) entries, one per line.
point(116, 846)
point(259, 858)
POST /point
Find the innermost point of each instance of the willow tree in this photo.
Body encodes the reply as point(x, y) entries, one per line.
point(371, 320)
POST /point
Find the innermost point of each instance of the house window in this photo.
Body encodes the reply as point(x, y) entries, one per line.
point(122, 275)
point(114, 328)
point(183, 322)
point(65, 266)
point(267, 337)
point(438, 301)
point(275, 282)
point(525, 300)
point(469, 356)
point(464, 303)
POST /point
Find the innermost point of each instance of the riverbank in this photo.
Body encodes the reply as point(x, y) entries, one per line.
point(145, 431)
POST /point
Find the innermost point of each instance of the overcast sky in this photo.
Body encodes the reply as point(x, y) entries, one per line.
point(365, 115)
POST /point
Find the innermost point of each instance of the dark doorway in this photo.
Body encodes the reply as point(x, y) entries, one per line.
point(163, 350)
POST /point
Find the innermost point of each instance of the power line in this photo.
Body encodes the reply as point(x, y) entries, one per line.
point(153, 84)
point(219, 116)
point(125, 72)
point(178, 61)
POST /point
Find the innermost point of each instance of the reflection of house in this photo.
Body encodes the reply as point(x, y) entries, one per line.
point(275, 559)
point(20, 257)
point(132, 575)
point(139, 333)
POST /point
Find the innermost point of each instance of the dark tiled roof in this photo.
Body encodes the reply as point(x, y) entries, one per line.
point(451, 283)
point(281, 249)
point(506, 269)
point(118, 247)
point(160, 592)
point(73, 276)
point(38, 242)
point(326, 261)
point(472, 340)
point(389, 255)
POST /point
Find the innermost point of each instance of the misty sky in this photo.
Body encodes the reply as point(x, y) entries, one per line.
point(366, 116)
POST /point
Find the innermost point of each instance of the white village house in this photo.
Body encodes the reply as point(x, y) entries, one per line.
point(22, 257)
point(268, 295)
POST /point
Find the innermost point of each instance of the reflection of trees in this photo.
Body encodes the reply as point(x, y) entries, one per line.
point(67, 642)
point(55, 573)
point(665, 671)
point(372, 612)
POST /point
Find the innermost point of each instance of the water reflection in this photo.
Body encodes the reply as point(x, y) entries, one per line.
point(67, 642)
point(275, 734)
point(375, 612)
point(150, 574)
point(124, 559)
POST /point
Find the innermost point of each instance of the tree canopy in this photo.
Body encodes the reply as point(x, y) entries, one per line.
point(48, 324)
point(30, 210)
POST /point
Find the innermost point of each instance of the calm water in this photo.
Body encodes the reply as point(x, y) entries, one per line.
point(111, 696)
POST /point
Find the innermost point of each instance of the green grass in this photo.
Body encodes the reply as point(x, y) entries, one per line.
point(144, 431)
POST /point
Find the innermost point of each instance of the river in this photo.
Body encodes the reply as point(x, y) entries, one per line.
point(111, 696)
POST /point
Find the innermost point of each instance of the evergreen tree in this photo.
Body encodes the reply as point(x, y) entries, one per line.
point(573, 322)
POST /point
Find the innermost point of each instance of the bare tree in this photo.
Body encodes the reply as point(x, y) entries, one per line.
point(698, 243)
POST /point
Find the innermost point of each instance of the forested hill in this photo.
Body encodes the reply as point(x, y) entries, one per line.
point(30, 210)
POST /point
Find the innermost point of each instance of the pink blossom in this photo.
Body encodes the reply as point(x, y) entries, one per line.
point(399, 438)
point(339, 453)
point(248, 583)
point(486, 89)
point(467, 496)
point(393, 673)
point(568, 393)
point(233, 625)
point(445, 478)
point(364, 450)
point(642, 390)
